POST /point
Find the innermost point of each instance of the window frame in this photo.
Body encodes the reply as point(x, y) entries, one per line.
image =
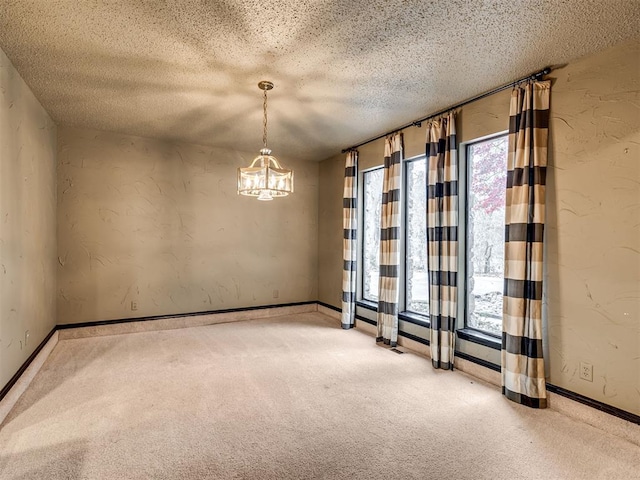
point(361, 247)
point(364, 303)
point(465, 331)
point(472, 344)
point(366, 309)
point(404, 313)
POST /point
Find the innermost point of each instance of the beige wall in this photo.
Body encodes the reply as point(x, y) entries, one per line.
point(593, 238)
point(27, 221)
point(330, 231)
point(160, 224)
point(594, 226)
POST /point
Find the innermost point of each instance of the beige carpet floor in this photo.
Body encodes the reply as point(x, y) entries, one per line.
point(293, 397)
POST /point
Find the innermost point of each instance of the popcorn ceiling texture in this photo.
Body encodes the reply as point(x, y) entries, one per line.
point(344, 70)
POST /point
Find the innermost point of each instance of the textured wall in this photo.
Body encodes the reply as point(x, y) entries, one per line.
point(27, 221)
point(593, 234)
point(330, 231)
point(160, 224)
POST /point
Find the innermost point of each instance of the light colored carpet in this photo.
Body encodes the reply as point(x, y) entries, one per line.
point(283, 398)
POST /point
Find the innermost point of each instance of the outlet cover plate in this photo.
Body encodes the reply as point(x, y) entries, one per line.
point(586, 371)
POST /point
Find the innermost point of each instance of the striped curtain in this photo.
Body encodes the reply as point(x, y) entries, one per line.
point(442, 237)
point(523, 378)
point(390, 242)
point(349, 225)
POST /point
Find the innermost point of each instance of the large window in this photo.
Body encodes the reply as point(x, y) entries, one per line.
point(416, 276)
point(482, 216)
point(486, 187)
point(372, 205)
point(414, 291)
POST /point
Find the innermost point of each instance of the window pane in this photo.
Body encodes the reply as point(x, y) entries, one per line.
point(371, 238)
point(417, 282)
point(485, 233)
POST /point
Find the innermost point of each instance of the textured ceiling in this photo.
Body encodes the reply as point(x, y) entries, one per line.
point(344, 70)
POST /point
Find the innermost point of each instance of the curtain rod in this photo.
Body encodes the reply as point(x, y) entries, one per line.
point(418, 123)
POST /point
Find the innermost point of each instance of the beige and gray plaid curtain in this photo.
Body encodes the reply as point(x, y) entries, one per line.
point(390, 242)
point(522, 361)
point(349, 225)
point(442, 237)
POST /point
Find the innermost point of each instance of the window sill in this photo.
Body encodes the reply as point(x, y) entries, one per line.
point(369, 305)
point(475, 336)
point(415, 318)
point(404, 316)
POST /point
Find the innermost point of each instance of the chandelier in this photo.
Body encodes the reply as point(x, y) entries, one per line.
point(265, 178)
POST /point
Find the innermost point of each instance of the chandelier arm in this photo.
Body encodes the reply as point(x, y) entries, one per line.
point(275, 162)
point(256, 160)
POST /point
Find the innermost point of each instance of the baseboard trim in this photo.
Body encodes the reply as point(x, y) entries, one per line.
point(329, 306)
point(366, 320)
point(606, 421)
point(189, 320)
point(603, 407)
point(477, 361)
point(559, 391)
point(25, 365)
point(63, 331)
point(19, 383)
point(415, 338)
point(117, 321)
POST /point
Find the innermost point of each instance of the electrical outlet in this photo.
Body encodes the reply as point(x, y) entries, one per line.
point(586, 371)
point(134, 305)
point(26, 338)
point(276, 294)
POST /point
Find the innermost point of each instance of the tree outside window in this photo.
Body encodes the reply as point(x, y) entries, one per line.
point(486, 199)
point(417, 277)
point(371, 233)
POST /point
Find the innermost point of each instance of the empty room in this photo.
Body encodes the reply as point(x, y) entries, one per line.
point(321, 239)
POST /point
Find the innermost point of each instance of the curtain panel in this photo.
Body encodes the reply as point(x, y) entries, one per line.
point(523, 379)
point(349, 245)
point(442, 237)
point(390, 242)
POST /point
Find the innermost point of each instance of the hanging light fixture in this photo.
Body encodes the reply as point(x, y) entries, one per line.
point(265, 178)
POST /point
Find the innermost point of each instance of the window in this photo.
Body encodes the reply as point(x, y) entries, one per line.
point(414, 290)
point(416, 276)
point(372, 198)
point(486, 188)
point(482, 215)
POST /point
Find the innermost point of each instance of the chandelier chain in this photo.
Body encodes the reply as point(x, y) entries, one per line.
point(264, 120)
